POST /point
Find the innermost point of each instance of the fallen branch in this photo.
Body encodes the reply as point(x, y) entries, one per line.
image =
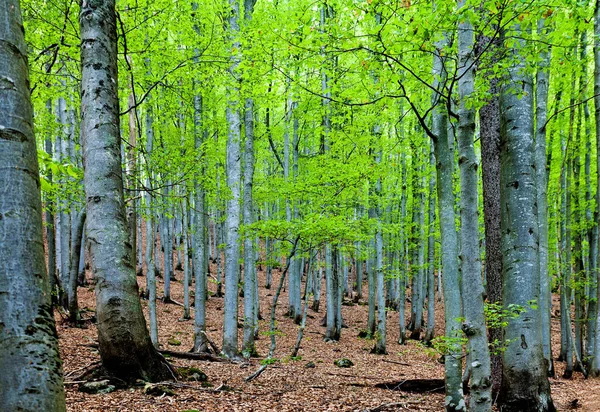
point(347, 375)
point(171, 302)
point(257, 373)
point(396, 363)
point(85, 370)
point(194, 356)
point(391, 405)
point(222, 387)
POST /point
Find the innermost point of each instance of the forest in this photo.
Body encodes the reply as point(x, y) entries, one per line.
point(344, 205)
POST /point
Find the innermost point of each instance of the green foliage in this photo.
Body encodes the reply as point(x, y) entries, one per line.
point(269, 361)
point(497, 317)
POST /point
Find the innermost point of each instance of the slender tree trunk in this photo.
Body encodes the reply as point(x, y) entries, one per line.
point(333, 326)
point(595, 364)
point(31, 377)
point(430, 332)
point(51, 225)
point(418, 265)
point(403, 264)
point(380, 344)
point(125, 346)
point(130, 168)
point(444, 155)
point(250, 279)
point(541, 99)
point(472, 285)
point(78, 231)
point(186, 261)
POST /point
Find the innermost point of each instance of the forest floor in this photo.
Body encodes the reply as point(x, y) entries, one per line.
point(288, 385)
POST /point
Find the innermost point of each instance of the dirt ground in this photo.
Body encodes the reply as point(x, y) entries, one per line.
point(287, 385)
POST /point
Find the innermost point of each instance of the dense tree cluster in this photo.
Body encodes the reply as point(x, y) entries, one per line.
point(340, 141)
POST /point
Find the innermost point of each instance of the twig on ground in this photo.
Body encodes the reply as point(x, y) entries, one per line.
point(347, 375)
point(395, 362)
point(194, 356)
point(220, 388)
point(257, 373)
point(85, 369)
point(391, 405)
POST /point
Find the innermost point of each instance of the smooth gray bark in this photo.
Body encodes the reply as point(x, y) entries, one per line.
point(150, 233)
point(525, 385)
point(76, 243)
point(186, 260)
point(125, 346)
point(232, 213)
point(444, 155)
point(430, 332)
point(472, 284)
point(31, 377)
point(51, 224)
point(200, 234)
point(403, 263)
point(250, 279)
point(418, 263)
point(595, 364)
point(380, 344)
point(541, 100)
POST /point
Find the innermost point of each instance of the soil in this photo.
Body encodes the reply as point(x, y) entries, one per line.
point(288, 385)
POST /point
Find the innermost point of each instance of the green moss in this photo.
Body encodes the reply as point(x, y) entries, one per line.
point(192, 374)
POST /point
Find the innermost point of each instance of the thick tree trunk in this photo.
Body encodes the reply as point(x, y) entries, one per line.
point(125, 346)
point(525, 385)
point(489, 125)
point(31, 377)
point(232, 219)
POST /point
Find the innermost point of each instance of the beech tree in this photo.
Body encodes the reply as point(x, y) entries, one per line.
point(125, 345)
point(525, 385)
point(31, 378)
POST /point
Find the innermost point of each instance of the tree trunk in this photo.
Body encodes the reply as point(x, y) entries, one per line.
point(31, 378)
point(430, 332)
point(541, 99)
point(380, 344)
point(525, 385)
point(595, 364)
point(250, 309)
point(444, 155)
point(76, 243)
point(472, 285)
point(125, 346)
